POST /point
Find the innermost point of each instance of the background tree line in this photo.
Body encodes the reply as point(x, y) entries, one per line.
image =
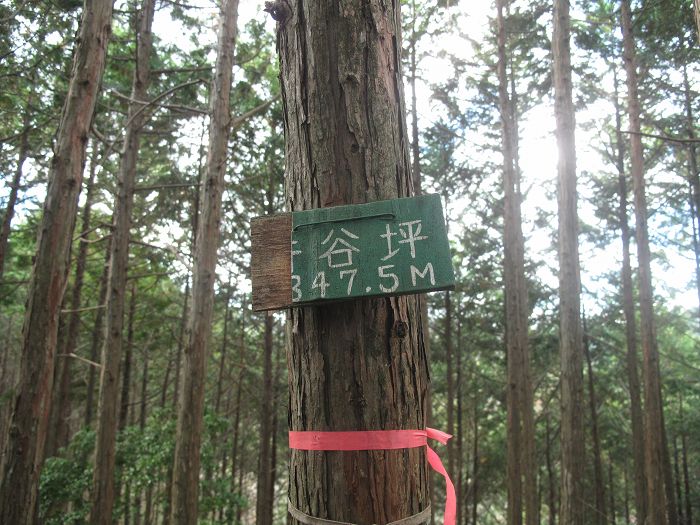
point(572, 392)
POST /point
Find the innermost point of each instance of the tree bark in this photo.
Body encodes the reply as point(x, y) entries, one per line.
point(630, 327)
point(418, 190)
point(654, 427)
point(24, 450)
point(570, 337)
point(103, 476)
point(186, 465)
point(357, 365)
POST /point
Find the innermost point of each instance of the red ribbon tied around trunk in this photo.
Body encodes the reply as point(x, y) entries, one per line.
point(382, 440)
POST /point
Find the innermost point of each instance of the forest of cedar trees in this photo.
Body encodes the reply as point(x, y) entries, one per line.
point(138, 139)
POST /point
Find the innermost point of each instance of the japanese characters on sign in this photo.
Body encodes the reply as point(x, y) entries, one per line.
point(381, 248)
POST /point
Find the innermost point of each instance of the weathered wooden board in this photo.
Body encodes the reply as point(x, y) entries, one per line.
point(271, 259)
point(380, 248)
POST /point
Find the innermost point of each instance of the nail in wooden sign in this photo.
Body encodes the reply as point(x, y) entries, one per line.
point(381, 248)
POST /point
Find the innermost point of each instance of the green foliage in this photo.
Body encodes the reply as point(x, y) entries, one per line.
point(66, 481)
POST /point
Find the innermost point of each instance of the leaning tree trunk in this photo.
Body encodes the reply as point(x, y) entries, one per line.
point(103, 475)
point(570, 336)
point(654, 427)
point(185, 489)
point(356, 365)
point(24, 450)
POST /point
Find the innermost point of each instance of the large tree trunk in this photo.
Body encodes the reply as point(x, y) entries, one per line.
point(570, 337)
point(103, 476)
point(24, 450)
point(186, 465)
point(357, 365)
point(654, 427)
point(263, 507)
point(630, 327)
point(522, 477)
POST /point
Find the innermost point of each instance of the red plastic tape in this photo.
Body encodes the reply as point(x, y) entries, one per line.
point(382, 440)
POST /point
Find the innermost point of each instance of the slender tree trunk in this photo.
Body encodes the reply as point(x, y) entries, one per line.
point(224, 348)
point(103, 476)
point(459, 439)
point(180, 346)
point(654, 428)
point(693, 173)
point(611, 491)
point(356, 365)
point(552, 493)
point(15, 184)
point(570, 337)
point(142, 426)
point(97, 336)
point(263, 509)
point(128, 358)
point(475, 467)
point(630, 327)
point(513, 316)
point(61, 406)
point(125, 399)
point(671, 502)
point(677, 480)
point(522, 473)
point(449, 357)
point(600, 516)
point(24, 449)
point(627, 498)
point(237, 424)
point(186, 464)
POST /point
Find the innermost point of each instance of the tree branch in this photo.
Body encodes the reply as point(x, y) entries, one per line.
point(663, 137)
point(240, 120)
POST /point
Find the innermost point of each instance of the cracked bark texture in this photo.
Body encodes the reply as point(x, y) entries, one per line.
point(358, 365)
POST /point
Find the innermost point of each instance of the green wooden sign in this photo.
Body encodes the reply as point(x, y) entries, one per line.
point(382, 248)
